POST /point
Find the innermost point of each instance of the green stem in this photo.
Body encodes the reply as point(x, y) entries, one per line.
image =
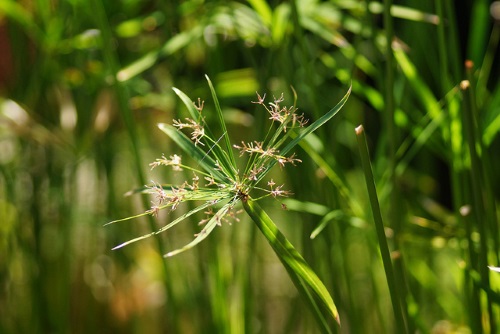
point(478, 33)
point(476, 172)
point(303, 277)
point(442, 49)
point(122, 95)
point(395, 210)
point(379, 226)
point(452, 40)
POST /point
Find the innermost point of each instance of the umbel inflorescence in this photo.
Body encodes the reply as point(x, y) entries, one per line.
point(216, 181)
point(219, 185)
point(260, 155)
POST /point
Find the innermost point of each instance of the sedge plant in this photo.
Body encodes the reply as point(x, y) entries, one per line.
point(220, 189)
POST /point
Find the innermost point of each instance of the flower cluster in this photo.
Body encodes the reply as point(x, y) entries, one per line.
point(283, 115)
point(174, 161)
point(197, 128)
point(170, 198)
point(277, 191)
point(256, 147)
point(237, 187)
point(217, 182)
point(198, 132)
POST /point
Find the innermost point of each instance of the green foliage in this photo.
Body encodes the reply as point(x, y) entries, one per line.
point(228, 184)
point(83, 85)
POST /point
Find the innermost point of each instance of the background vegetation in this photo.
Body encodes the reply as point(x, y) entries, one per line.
point(84, 83)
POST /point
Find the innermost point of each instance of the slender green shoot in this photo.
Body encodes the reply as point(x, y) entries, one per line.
point(470, 125)
point(223, 184)
point(304, 278)
point(379, 227)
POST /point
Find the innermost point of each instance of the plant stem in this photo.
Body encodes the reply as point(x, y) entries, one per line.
point(395, 210)
point(379, 226)
point(476, 171)
point(303, 277)
point(122, 95)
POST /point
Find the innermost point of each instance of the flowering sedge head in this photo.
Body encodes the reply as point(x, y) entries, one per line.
point(236, 186)
point(216, 181)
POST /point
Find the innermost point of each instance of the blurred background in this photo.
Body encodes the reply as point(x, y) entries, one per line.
point(84, 83)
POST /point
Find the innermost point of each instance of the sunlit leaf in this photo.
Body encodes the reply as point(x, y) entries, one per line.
point(209, 227)
point(194, 151)
point(311, 128)
point(223, 156)
point(305, 279)
point(163, 229)
point(222, 124)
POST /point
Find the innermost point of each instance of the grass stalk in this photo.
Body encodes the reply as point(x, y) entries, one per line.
point(487, 170)
point(305, 280)
point(452, 39)
point(379, 227)
point(305, 61)
point(392, 140)
point(478, 33)
point(449, 61)
point(395, 210)
point(476, 171)
point(122, 96)
point(389, 75)
point(442, 50)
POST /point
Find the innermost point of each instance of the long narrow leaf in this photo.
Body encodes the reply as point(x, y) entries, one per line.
point(164, 228)
point(222, 124)
point(184, 216)
point(196, 153)
point(127, 218)
point(209, 227)
point(302, 286)
point(133, 240)
point(193, 112)
point(227, 163)
point(380, 229)
point(288, 255)
point(318, 123)
point(311, 128)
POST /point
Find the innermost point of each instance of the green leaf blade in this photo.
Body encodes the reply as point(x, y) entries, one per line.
point(311, 128)
point(222, 124)
point(209, 227)
point(317, 124)
point(193, 112)
point(227, 162)
point(304, 278)
point(195, 152)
